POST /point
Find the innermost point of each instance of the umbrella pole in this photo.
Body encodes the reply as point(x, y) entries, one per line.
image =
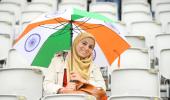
point(71, 35)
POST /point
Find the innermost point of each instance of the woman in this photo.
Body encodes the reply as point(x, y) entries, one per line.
point(79, 66)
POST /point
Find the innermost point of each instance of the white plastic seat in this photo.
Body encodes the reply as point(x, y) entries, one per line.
point(7, 16)
point(130, 17)
point(161, 42)
point(164, 63)
point(69, 96)
point(134, 82)
point(133, 98)
point(154, 3)
point(83, 3)
point(54, 3)
point(133, 1)
point(109, 15)
point(22, 3)
point(28, 16)
point(37, 6)
point(110, 10)
point(6, 28)
point(63, 6)
point(133, 58)
point(147, 28)
point(163, 18)
point(12, 97)
point(5, 43)
point(160, 8)
point(129, 6)
point(139, 1)
point(15, 59)
point(136, 41)
point(21, 81)
point(98, 6)
point(12, 7)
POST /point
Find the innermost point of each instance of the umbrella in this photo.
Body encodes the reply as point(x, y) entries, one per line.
point(53, 32)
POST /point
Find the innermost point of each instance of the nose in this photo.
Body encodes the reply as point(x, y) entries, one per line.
point(86, 47)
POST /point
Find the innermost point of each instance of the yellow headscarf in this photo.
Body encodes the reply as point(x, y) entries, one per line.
point(78, 64)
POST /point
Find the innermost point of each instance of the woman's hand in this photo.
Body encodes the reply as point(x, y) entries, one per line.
point(71, 86)
point(76, 76)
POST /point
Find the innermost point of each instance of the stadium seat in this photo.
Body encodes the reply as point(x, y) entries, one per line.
point(143, 67)
point(154, 3)
point(98, 6)
point(163, 18)
point(133, 58)
point(139, 1)
point(7, 16)
point(133, 98)
point(63, 6)
point(12, 97)
point(109, 11)
point(54, 3)
point(133, 16)
point(21, 81)
point(134, 82)
point(15, 59)
point(136, 41)
point(22, 3)
point(6, 28)
point(39, 6)
point(68, 96)
point(161, 42)
point(83, 3)
point(5, 43)
point(164, 63)
point(27, 17)
point(146, 28)
point(129, 6)
point(12, 7)
point(160, 8)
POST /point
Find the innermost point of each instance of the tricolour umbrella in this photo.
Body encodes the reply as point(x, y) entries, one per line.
point(53, 32)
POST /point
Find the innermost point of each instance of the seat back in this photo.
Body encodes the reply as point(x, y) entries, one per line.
point(21, 81)
point(134, 82)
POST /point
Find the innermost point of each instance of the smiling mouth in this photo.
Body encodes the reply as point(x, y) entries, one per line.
point(83, 53)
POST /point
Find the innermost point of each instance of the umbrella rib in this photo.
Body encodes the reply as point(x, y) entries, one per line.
point(89, 27)
point(52, 28)
point(77, 29)
point(82, 23)
point(59, 22)
point(92, 27)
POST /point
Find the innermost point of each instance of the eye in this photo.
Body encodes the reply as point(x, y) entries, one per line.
point(91, 47)
point(84, 43)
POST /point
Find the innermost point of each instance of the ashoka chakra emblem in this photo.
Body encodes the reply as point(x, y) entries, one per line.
point(32, 42)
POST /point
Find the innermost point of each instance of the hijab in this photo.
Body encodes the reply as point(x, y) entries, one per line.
point(78, 64)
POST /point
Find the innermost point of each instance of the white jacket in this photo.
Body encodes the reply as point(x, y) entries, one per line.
point(54, 77)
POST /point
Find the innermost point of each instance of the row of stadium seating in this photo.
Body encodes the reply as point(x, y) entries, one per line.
point(144, 68)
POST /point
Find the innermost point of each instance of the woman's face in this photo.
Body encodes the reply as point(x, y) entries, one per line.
point(85, 47)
